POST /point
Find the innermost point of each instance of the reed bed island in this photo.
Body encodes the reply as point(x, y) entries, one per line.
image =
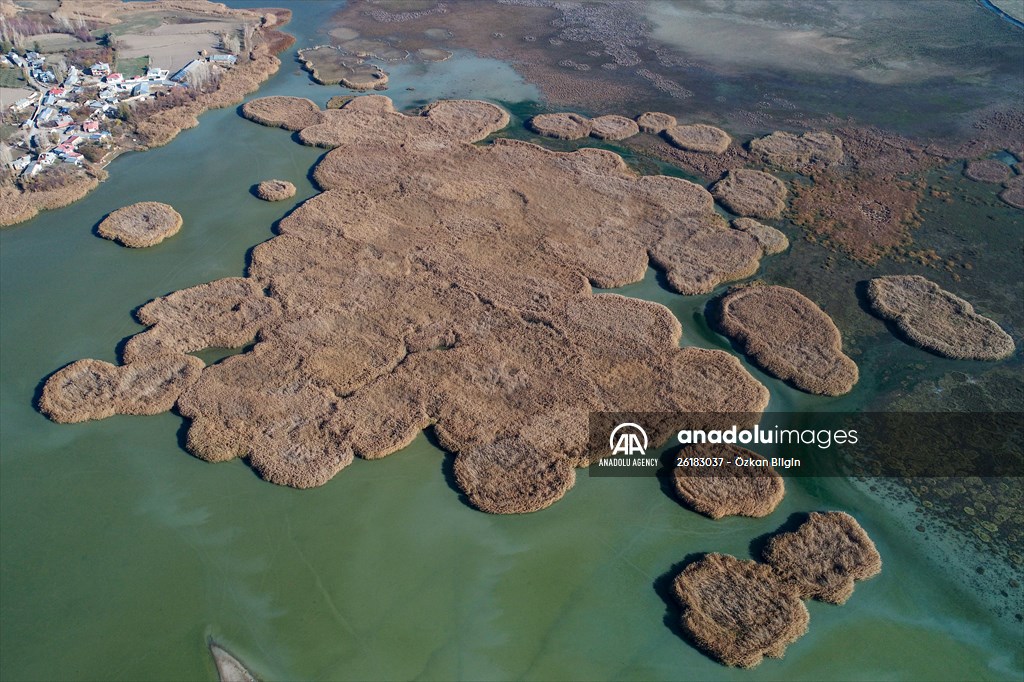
point(937, 320)
point(697, 137)
point(789, 336)
point(275, 190)
point(403, 297)
point(738, 612)
point(137, 226)
point(745, 491)
point(750, 193)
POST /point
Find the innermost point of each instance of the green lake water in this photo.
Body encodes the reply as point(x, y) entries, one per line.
point(120, 554)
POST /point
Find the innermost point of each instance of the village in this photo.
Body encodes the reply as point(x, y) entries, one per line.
point(68, 118)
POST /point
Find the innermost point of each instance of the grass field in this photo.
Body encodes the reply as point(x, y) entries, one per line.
point(134, 66)
point(12, 78)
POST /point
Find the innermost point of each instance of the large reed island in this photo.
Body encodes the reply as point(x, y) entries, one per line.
point(404, 296)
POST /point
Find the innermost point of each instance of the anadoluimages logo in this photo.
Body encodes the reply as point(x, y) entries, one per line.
point(628, 439)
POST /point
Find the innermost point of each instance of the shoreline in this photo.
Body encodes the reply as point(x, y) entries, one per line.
point(21, 206)
point(1001, 13)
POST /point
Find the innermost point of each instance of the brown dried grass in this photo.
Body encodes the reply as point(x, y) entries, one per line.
point(290, 113)
point(739, 611)
point(275, 190)
point(698, 138)
point(655, 122)
point(226, 313)
point(513, 476)
point(436, 282)
point(746, 491)
point(613, 127)
point(137, 226)
point(935, 319)
point(751, 193)
point(987, 170)
point(799, 152)
point(565, 126)
point(788, 336)
point(824, 556)
point(91, 389)
point(331, 66)
point(18, 205)
point(771, 240)
point(1013, 194)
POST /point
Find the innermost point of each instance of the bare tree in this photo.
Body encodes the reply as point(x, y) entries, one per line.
point(60, 69)
point(248, 32)
point(201, 77)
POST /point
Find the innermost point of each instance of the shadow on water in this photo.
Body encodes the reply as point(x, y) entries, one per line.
point(37, 393)
point(760, 543)
point(447, 467)
point(665, 472)
point(864, 301)
point(312, 167)
point(96, 227)
point(275, 229)
point(663, 587)
point(182, 432)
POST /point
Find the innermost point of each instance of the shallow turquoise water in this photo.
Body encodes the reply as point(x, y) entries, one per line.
point(120, 553)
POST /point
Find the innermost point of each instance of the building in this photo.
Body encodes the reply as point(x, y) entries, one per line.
point(181, 75)
point(99, 69)
point(223, 59)
point(140, 89)
point(90, 126)
point(155, 74)
point(21, 104)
